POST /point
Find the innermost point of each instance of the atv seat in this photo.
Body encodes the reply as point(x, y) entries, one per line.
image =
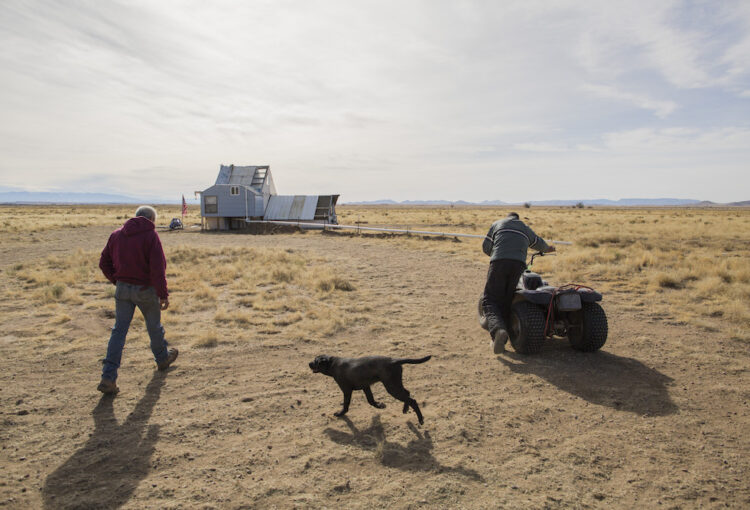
point(531, 281)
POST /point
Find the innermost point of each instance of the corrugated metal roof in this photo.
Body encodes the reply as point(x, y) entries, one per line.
point(223, 177)
point(242, 175)
point(244, 178)
point(291, 207)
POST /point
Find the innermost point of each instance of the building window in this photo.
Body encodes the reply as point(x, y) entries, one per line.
point(210, 204)
point(234, 190)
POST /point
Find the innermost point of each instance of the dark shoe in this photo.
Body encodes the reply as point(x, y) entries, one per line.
point(108, 387)
point(499, 340)
point(171, 356)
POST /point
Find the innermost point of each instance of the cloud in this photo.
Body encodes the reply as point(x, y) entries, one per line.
point(679, 140)
point(540, 147)
point(686, 45)
point(671, 141)
point(359, 96)
point(554, 147)
point(661, 108)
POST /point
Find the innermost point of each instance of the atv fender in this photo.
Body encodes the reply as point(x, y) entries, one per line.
point(543, 295)
point(537, 297)
point(589, 296)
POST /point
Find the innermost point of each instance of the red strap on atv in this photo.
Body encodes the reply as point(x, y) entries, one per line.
point(549, 312)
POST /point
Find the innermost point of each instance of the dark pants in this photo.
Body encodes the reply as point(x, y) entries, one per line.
point(502, 278)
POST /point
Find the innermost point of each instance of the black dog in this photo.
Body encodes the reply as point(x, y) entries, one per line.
point(359, 373)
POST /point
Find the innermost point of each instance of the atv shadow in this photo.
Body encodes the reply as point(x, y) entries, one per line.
point(599, 377)
point(106, 470)
point(414, 456)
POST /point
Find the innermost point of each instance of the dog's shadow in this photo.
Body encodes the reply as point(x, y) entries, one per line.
point(414, 456)
point(601, 378)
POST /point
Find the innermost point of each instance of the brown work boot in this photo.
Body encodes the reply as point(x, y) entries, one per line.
point(108, 387)
point(171, 356)
point(498, 341)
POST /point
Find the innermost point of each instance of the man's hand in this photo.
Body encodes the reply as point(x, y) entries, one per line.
point(550, 249)
point(163, 303)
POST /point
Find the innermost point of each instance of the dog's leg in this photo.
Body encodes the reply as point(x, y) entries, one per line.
point(347, 401)
point(399, 391)
point(415, 406)
point(371, 399)
point(402, 394)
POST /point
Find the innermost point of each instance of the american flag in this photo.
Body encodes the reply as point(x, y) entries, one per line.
point(184, 206)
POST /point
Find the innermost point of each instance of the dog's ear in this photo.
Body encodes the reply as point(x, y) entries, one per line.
point(323, 362)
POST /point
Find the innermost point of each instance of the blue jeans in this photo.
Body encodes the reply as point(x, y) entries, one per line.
point(127, 297)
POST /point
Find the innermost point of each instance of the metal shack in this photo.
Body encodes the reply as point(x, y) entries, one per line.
point(247, 192)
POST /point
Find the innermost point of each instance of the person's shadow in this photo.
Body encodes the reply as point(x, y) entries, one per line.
point(105, 471)
point(599, 377)
point(414, 456)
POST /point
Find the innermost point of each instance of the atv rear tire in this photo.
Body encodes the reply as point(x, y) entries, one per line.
point(526, 328)
point(594, 329)
point(482, 317)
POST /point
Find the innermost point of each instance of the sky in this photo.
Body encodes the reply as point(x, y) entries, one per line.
point(405, 100)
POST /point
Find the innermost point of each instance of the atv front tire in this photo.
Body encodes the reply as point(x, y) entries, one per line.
point(594, 329)
point(526, 328)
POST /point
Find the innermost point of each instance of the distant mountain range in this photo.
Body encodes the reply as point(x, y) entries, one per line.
point(45, 197)
point(623, 202)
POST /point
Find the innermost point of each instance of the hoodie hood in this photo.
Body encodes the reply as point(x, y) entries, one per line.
point(137, 225)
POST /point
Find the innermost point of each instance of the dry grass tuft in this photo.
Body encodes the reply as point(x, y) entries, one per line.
point(203, 291)
point(283, 275)
point(668, 281)
point(334, 283)
point(53, 292)
point(61, 319)
point(206, 341)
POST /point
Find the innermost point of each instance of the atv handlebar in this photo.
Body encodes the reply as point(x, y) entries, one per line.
point(538, 254)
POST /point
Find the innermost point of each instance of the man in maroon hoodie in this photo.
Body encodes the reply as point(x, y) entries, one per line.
point(134, 262)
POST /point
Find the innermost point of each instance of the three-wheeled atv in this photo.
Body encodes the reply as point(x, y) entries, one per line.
point(541, 311)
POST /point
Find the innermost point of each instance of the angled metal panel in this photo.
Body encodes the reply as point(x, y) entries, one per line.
point(308, 210)
point(245, 175)
point(298, 206)
point(224, 173)
point(291, 207)
point(269, 185)
point(278, 207)
point(242, 175)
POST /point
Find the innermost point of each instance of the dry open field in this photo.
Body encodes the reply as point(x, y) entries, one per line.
point(657, 419)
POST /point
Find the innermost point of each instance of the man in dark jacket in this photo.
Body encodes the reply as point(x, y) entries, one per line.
point(506, 243)
point(134, 262)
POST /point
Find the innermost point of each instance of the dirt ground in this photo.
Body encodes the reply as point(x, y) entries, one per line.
point(657, 419)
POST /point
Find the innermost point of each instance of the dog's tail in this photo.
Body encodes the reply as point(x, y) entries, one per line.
point(412, 361)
